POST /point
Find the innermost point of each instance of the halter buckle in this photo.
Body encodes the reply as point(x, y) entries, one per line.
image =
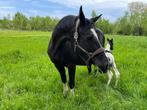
point(75, 45)
point(76, 36)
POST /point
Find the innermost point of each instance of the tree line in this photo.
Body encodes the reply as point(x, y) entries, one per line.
point(21, 22)
point(133, 22)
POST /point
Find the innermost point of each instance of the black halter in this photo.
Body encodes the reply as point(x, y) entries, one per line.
point(89, 54)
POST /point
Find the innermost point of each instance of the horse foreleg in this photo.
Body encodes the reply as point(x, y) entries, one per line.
point(89, 68)
point(71, 72)
point(61, 70)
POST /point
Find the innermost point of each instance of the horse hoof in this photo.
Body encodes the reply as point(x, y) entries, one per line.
point(65, 90)
point(65, 93)
point(72, 92)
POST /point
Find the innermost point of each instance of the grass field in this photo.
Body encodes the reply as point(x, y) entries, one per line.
point(29, 81)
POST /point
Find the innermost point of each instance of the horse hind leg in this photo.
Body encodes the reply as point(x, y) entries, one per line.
point(109, 74)
point(61, 70)
point(117, 74)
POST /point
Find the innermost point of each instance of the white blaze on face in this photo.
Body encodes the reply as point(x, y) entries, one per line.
point(94, 33)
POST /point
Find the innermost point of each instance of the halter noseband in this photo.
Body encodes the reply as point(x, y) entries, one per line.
point(89, 54)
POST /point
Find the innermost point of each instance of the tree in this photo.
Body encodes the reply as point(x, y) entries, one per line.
point(93, 13)
point(123, 25)
point(5, 23)
point(134, 20)
point(20, 21)
point(103, 24)
point(136, 10)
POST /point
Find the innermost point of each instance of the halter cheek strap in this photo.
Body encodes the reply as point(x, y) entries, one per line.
point(76, 34)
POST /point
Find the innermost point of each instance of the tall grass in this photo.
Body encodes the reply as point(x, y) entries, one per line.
point(29, 81)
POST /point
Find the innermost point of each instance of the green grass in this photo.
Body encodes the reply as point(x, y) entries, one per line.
point(29, 81)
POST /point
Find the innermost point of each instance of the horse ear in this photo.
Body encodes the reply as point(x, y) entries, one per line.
point(112, 39)
point(95, 18)
point(81, 16)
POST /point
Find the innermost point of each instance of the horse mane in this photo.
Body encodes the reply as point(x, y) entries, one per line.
point(65, 26)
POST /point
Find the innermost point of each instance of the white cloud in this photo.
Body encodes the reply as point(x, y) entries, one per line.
point(6, 7)
point(75, 3)
point(57, 13)
point(6, 13)
point(32, 11)
point(7, 10)
point(109, 8)
point(27, 0)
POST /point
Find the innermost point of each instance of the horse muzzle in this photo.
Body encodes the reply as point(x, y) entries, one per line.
point(103, 69)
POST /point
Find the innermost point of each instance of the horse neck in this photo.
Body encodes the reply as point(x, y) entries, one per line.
point(108, 47)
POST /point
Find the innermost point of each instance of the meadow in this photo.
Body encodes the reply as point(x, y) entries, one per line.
point(29, 80)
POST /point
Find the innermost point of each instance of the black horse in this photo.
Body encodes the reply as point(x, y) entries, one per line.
point(75, 42)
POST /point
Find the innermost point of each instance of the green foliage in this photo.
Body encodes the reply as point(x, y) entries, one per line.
point(21, 22)
point(123, 26)
point(30, 81)
point(133, 22)
point(104, 25)
point(6, 23)
point(93, 13)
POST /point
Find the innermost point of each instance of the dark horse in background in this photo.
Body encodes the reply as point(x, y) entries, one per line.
point(76, 41)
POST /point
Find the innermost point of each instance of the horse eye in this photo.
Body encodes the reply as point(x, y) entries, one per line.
point(90, 37)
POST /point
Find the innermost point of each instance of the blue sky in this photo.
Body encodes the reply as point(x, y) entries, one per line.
point(111, 9)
